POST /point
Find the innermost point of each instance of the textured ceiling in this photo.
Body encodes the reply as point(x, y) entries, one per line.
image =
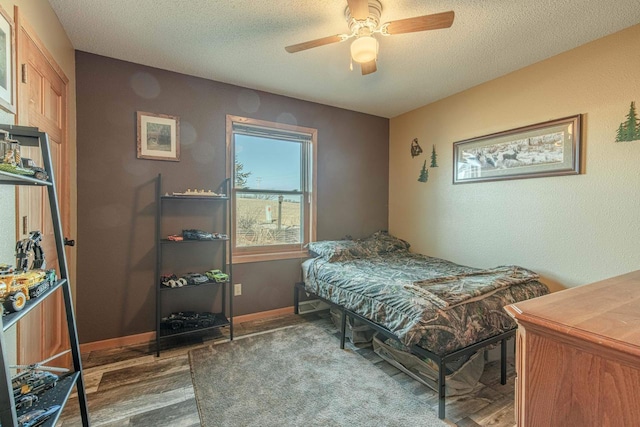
point(242, 42)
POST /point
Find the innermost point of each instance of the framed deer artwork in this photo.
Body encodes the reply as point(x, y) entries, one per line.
point(544, 149)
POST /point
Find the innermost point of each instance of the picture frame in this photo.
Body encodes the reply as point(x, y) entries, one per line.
point(158, 136)
point(7, 63)
point(550, 148)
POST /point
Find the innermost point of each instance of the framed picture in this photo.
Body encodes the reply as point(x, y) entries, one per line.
point(544, 149)
point(7, 58)
point(158, 137)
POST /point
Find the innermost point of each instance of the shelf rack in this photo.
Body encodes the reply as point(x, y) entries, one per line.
point(223, 318)
point(58, 395)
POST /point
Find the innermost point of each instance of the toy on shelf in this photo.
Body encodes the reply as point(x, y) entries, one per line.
point(188, 320)
point(193, 234)
point(33, 380)
point(172, 281)
point(11, 160)
point(16, 288)
point(30, 245)
point(29, 279)
point(217, 276)
point(197, 193)
point(195, 278)
point(38, 172)
point(175, 238)
point(37, 417)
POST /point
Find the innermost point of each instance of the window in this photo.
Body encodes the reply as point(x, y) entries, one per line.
point(272, 169)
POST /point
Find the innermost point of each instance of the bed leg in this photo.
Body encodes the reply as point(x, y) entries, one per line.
point(343, 328)
point(503, 361)
point(441, 389)
point(296, 299)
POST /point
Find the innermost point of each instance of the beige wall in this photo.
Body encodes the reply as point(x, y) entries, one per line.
point(573, 230)
point(44, 21)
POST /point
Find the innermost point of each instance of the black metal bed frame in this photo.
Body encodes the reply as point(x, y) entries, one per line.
point(441, 360)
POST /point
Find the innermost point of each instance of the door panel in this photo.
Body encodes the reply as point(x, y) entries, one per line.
point(42, 102)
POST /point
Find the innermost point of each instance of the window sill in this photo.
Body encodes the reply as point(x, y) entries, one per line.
point(273, 256)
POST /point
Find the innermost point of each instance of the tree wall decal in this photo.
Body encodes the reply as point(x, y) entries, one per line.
point(434, 156)
point(424, 173)
point(629, 130)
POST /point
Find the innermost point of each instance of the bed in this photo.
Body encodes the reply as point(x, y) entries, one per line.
point(436, 308)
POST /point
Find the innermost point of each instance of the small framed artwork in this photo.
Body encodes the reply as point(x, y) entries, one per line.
point(543, 149)
point(7, 58)
point(158, 137)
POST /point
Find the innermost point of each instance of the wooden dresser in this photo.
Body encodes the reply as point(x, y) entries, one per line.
point(578, 356)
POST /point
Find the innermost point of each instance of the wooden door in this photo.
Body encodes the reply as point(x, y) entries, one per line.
point(42, 102)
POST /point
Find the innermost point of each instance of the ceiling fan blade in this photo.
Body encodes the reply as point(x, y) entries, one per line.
point(368, 67)
point(420, 23)
point(313, 43)
point(359, 9)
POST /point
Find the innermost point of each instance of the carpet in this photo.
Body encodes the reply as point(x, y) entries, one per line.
point(298, 376)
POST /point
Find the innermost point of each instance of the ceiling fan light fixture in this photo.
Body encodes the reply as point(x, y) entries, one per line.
point(364, 49)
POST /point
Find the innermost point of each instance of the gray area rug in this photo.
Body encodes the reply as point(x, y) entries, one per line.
point(298, 376)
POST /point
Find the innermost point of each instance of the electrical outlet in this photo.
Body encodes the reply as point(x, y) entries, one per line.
point(237, 289)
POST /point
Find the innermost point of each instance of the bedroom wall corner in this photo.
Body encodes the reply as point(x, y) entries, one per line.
point(572, 230)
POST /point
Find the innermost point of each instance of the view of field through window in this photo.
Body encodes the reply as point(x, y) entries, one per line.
point(268, 189)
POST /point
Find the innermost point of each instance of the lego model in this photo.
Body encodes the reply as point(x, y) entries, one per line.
point(217, 276)
point(30, 245)
point(16, 288)
point(38, 172)
point(26, 401)
point(195, 278)
point(35, 378)
point(199, 193)
point(32, 381)
point(37, 417)
point(173, 281)
point(188, 320)
point(193, 234)
point(10, 159)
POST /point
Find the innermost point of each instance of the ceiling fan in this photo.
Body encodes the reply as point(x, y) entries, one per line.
point(363, 18)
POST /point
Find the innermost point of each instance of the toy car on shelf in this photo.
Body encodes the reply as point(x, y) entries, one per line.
point(38, 172)
point(195, 278)
point(193, 234)
point(217, 276)
point(37, 417)
point(16, 288)
point(188, 320)
point(32, 381)
point(26, 401)
point(173, 281)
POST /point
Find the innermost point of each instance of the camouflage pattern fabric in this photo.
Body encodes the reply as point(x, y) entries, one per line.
point(382, 288)
point(379, 243)
point(447, 291)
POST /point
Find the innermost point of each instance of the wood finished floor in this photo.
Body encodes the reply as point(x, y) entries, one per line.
point(129, 386)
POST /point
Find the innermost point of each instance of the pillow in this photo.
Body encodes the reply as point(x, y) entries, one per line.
point(334, 250)
point(379, 243)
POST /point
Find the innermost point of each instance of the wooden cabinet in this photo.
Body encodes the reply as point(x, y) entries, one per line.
point(578, 356)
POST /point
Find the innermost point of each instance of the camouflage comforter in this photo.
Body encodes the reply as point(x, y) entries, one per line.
point(434, 303)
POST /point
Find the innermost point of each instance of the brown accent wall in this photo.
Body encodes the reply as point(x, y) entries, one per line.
point(116, 204)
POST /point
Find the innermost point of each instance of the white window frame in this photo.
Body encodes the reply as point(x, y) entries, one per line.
point(275, 252)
